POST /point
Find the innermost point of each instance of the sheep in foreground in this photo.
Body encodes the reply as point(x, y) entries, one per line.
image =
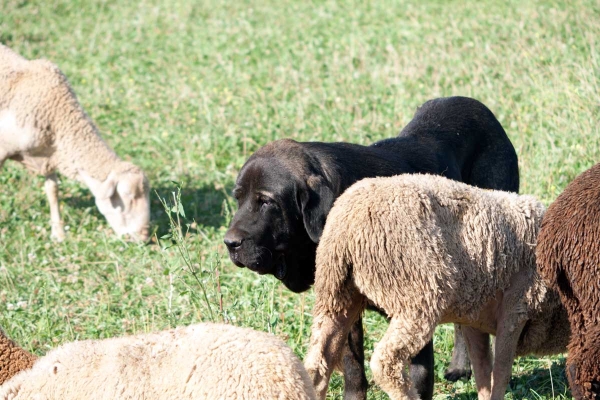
point(428, 250)
point(13, 359)
point(43, 126)
point(203, 361)
point(568, 257)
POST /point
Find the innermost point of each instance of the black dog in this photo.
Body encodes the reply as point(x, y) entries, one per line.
point(286, 189)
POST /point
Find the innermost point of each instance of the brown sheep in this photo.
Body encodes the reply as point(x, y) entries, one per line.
point(13, 358)
point(428, 250)
point(568, 256)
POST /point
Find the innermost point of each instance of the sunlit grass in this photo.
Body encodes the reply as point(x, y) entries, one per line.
point(188, 90)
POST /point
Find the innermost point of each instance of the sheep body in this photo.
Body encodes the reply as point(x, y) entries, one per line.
point(203, 361)
point(428, 250)
point(568, 256)
point(43, 126)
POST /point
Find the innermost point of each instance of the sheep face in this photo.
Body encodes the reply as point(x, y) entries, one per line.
point(124, 200)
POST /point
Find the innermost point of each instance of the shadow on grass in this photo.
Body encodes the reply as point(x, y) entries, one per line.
point(544, 382)
point(204, 205)
point(547, 382)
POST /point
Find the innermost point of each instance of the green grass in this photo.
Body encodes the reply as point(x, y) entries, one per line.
point(188, 90)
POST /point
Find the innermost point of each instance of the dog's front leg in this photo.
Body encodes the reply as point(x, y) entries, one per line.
point(355, 380)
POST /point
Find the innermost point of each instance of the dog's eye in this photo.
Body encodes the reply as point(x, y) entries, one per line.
point(265, 201)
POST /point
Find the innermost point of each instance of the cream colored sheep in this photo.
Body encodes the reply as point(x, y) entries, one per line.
point(203, 361)
point(13, 359)
point(43, 126)
point(428, 250)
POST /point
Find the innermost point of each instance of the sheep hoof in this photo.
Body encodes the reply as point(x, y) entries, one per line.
point(454, 375)
point(58, 234)
point(595, 392)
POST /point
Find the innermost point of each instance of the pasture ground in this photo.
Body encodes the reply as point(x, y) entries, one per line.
point(189, 89)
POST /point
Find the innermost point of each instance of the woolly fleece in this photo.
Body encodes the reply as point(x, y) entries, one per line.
point(43, 126)
point(13, 359)
point(203, 361)
point(428, 250)
point(39, 96)
point(568, 256)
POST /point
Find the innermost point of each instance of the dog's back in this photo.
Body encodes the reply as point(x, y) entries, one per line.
point(468, 141)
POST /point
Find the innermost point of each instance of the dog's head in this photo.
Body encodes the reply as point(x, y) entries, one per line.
point(283, 199)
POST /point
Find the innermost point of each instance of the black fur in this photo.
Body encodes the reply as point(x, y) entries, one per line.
point(286, 189)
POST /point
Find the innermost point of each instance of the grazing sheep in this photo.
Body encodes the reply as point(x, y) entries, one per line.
point(43, 126)
point(428, 250)
point(13, 359)
point(203, 361)
point(568, 257)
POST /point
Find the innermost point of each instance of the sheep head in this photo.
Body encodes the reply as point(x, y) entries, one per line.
point(124, 200)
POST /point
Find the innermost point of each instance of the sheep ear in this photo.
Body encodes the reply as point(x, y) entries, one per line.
point(316, 201)
point(100, 190)
point(124, 188)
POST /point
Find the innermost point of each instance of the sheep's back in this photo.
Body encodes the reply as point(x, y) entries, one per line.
point(39, 97)
point(10, 61)
point(413, 235)
point(199, 361)
point(27, 82)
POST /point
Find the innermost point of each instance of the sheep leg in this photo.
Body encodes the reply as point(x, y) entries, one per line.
point(402, 340)
point(478, 345)
point(329, 335)
point(3, 157)
point(507, 337)
point(51, 186)
point(583, 369)
point(355, 380)
point(460, 366)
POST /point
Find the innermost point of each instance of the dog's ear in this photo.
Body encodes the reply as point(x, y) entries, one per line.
point(315, 202)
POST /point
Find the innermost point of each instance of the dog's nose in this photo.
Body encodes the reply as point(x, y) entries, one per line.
point(233, 239)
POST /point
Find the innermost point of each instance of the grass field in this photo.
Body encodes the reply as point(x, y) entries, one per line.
point(188, 90)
